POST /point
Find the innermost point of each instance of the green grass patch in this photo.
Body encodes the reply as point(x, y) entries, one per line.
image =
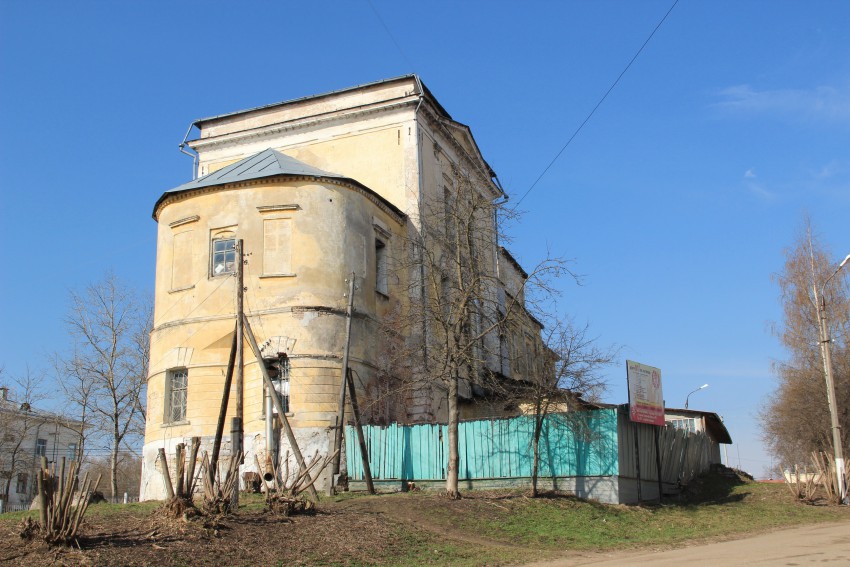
point(719, 511)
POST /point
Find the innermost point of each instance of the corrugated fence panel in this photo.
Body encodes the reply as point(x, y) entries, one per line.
point(576, 444)
point(684, 455)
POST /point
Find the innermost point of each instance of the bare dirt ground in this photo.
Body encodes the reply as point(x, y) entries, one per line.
point(359, 531)
point(247, 538)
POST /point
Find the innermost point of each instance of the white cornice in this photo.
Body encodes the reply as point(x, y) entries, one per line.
point(185, 220)
point(226, 140)
point(276, 208)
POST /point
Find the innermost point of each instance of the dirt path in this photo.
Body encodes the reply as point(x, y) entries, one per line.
point(823, 544)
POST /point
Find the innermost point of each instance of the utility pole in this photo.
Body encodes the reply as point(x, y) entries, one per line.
point(823, 332)
point(237, 428)
point(240, 330)
point(342, 385)
point(830, 392)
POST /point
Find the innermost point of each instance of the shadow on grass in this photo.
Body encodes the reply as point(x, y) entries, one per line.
point(713, 488)
point(124, 539)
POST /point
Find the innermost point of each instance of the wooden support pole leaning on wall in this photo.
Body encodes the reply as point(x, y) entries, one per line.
point(222, 412)
point(340, 424)
point(284, 422)
point(364, 452)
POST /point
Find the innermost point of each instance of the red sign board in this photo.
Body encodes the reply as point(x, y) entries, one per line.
point(646, 401)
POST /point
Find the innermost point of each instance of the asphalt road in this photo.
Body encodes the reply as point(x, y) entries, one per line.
point(821, 544)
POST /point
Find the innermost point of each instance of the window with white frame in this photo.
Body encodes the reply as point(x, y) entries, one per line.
point(40, 447)
point(688, 424)
point(223, 256)
point(72, 451)
point(176, 387)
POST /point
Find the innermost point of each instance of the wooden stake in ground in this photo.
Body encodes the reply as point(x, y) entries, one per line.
point(217, 494)
point(181, 492)
point(166, 475)
point(222, 412)
point(61, 514)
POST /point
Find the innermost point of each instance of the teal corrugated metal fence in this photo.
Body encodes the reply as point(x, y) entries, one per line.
point(576, 444)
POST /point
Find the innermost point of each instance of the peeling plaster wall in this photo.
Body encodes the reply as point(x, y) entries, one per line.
point(332, 234)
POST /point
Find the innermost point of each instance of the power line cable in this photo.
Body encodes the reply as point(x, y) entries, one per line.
point(389, 33)
point(176, 303)
point(598, 104)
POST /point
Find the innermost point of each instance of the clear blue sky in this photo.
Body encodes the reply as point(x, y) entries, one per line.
point(676, 200)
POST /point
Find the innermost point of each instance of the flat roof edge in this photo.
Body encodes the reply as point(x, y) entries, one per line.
point(411, 76)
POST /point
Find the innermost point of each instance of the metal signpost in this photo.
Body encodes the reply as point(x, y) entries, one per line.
point(646, 405)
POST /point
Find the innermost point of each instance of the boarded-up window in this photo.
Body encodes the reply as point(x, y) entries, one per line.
point(381, 285)
point(181, 261)
point(277, 246)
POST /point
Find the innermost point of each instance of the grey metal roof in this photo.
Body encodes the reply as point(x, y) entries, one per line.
point(267, 163)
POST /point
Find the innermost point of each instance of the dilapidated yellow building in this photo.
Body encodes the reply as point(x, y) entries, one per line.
point(317, 189)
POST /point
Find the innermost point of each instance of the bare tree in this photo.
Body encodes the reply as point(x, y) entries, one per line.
point(78, 387)
point(571, 379)
point(129, 472)
point(106, 373)
point(795, 419)
point(459, 303)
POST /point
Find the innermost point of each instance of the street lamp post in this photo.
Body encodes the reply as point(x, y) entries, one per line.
point(823, 331)
point(694, 392)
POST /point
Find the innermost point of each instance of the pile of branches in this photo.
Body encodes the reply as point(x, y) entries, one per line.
point(218, 495)
point(825, 465)
point(179, 494)
point(803, 484)
point(285, 494)
point(806, 482)
point(61, 507)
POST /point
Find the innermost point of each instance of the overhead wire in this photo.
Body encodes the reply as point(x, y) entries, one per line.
point(389, 33)
point(598, 104)
point(202, 324)
point(173, 305)
point(246, 266)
